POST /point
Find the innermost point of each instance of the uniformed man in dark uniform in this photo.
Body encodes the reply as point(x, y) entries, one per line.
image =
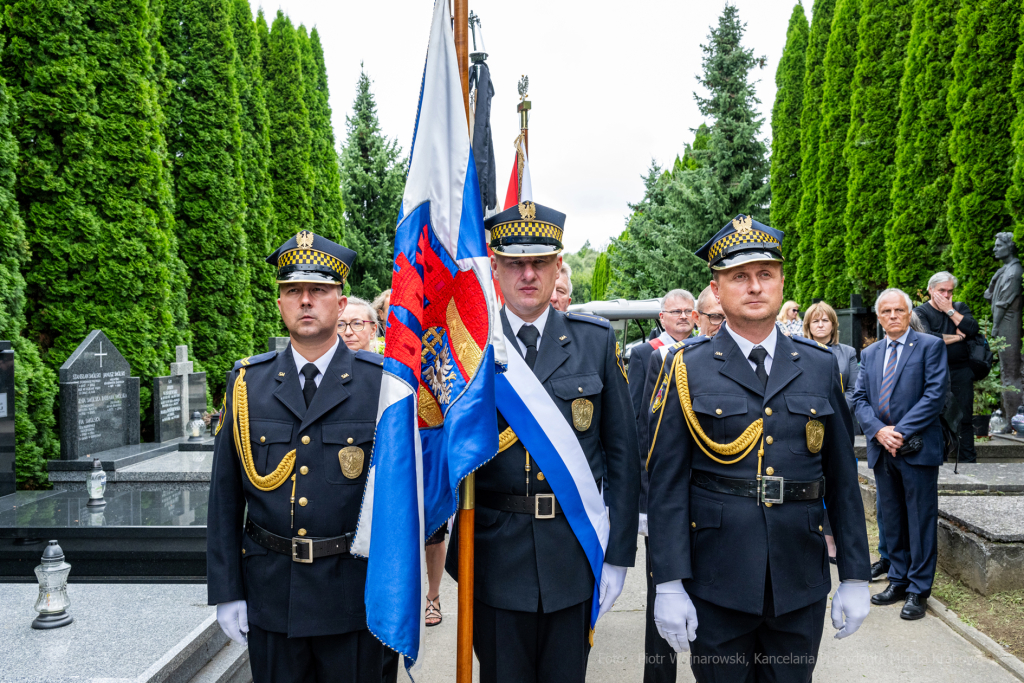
point(534, 585)
point(293, 448)
point(749, 431)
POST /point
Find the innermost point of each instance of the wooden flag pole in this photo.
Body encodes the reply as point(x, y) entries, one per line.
point(467, 497)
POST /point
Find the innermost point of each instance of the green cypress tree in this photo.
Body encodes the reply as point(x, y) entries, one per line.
point(92, 185)
point(870, 150)
point(982, 109)
point(372, 182)
point(205, 143)
point(916, 233)
point(785, 177)
point(328, 210)
point(259, 190)
point(810, 141)
point(263, 34)
point(1015, 194)
point(602, 275)
point(830, 279)
point(290, 136)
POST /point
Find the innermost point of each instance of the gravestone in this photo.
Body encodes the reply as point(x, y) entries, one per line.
point(8, 481)
point(278, 344)
point(99, 399)
point(169, 402)
point(196, 390)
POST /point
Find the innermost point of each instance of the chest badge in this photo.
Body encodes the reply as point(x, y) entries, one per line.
point(351, 459)
point(815, 436)
point(582, 414)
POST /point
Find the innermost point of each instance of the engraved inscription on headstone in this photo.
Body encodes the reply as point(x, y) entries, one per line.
point(168, 405)
point(8, 481)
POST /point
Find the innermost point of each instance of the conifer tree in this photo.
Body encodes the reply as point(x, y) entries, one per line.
point(254, 123)
point(916, 234)
point(831, 281)
point(263, 34)
point(870, 150)
point(205, 143)
point(1015, 194)
point(810, 141)
point(372, 182)
point(982, 109)
point(602, 275)
point(785, 176)
point(290, 136)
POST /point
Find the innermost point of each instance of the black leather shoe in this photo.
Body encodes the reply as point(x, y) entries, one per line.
point(890, 596)
point(914, 607)
point(879, 569)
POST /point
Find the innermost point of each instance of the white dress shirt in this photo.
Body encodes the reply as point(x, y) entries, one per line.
point(746, 346)
point(321, 363)
point(516, 323)
point(899, 349)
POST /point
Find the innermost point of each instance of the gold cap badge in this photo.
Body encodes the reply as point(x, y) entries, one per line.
point(304, 239)
point(743, 225)
point(527, 211)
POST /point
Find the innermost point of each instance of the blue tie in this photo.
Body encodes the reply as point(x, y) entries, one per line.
point(888, 381)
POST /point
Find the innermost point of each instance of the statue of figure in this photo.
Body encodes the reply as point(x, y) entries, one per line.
point(1004, 291)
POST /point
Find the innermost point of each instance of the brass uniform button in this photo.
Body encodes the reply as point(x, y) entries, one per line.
point(263, 439)
point(350, 439)
point(243, 551)
point(581, 389)
point(768, 412)
point(540, 476)
point(718, 411)
point(821, 528)
point(767, 505)
point(304, 469)
point(770, 471)
point(768, 440)
point(305, 440)
point(813, 411)
point(302, 532)
point(303, 502)
point(693, 524)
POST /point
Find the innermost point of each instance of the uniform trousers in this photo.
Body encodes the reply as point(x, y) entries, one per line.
point(908, 496)
point(659, 657)
point(532, 647)
point(355, 657)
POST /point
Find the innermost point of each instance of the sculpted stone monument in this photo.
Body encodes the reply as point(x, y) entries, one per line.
point(1004, 291)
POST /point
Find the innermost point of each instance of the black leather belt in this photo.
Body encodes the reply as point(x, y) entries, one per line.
point(541, 506)
point(301, 549)
point(772, 490)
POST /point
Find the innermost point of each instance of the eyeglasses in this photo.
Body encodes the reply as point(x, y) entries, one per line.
point(715, 318)
point(678, 312)
point(357, 325)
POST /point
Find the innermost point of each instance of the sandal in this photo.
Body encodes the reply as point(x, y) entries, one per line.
point(433, 613)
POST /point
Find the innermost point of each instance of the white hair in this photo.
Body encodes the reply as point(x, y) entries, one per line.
point(889, 292)
point(371, 314)
point(940, 277)
point(566, 270)
point(678, 293)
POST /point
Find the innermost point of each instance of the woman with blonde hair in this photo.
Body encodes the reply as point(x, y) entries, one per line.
point(789, 319)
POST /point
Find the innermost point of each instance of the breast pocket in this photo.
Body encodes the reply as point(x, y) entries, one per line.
point(271, 440)
point(808, 407)
point(725, 412)
point(347, 449)
point(582, 393)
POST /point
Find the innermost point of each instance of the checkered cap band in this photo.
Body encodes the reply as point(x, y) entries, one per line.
point(736, 238)
point(526, 229)
point(301, 257)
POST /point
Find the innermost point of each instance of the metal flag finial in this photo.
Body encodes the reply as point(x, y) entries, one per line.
point(524, 85)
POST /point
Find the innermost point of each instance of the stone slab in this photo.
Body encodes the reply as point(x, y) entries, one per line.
point(980, 481)
point(119, 458)
point(996, 450)
point(8, 478)
point(170, 402)
point(995, 518)
point(984, 565)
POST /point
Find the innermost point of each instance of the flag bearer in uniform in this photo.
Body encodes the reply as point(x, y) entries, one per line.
point(293, 449)
point(749, 431)
point(535, 562)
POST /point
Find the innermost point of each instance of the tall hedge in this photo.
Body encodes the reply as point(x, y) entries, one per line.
point(810, 141)
point(916, 234)
point(1015, 195)
point(982, 108)
point(259, 225)
point(785, 177)
point(830, 278)
point(290, 136)
point(602, 275)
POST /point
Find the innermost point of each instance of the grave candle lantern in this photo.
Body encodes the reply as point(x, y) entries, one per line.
point(195, 427)
point(53, 600)
point(96, 484)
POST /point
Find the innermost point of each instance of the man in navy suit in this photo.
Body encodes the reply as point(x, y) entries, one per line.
point(900, 392)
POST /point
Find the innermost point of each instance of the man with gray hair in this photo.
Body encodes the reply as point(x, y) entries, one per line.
point(561, 297)
point(954, 325)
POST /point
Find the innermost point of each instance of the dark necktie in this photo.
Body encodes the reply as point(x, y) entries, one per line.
point(309, 371)
point(758, 354)
point(888, 381)
point(529, 336)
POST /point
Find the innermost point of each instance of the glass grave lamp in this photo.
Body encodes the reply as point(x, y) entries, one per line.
point(96, 484)
point(195, 427)
point(997, 423)
point(53, 600)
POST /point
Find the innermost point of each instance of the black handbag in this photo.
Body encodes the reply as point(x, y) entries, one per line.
point(980, 357)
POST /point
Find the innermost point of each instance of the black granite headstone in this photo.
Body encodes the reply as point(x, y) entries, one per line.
point(8, 481)
point(99, 399)
point(196, 392)
point(278, 343)
point(168, 404)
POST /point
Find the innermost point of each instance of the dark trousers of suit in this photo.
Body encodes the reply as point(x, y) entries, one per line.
point(355, 657)
point(909, 500)
point(961, 383)
point(659, 657)
point(532, 647)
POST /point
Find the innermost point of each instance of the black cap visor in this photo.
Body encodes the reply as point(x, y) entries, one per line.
point(308, 273)
point(742, 257)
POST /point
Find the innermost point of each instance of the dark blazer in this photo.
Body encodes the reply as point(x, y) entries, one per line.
point(325, 597)
point(526, 564)
point(639, 360)
point(918, 397)
point(719, 544)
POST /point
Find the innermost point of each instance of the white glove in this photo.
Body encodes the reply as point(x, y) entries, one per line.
point(233, 618)
point(613, 578)
point(675, 616)
point(853, 599)
point(643, 524)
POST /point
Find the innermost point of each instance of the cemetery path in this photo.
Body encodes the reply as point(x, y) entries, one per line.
point(885, 650)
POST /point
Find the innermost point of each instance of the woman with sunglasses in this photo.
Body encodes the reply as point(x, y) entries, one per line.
point(789, 320)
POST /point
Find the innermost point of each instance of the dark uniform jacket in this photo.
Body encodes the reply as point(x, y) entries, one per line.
point(325, 597)
point(639, 360)
point(722, 545)
point(527, 564)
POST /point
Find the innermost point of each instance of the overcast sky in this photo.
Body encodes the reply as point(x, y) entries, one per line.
point(611, 84)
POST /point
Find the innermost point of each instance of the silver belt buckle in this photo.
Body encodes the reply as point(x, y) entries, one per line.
point(296, 542)
point(537, 514)
point(766, 497)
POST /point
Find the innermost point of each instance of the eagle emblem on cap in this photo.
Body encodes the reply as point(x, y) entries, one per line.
point(527, 211)
point(742, 224)
point(304, 239)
